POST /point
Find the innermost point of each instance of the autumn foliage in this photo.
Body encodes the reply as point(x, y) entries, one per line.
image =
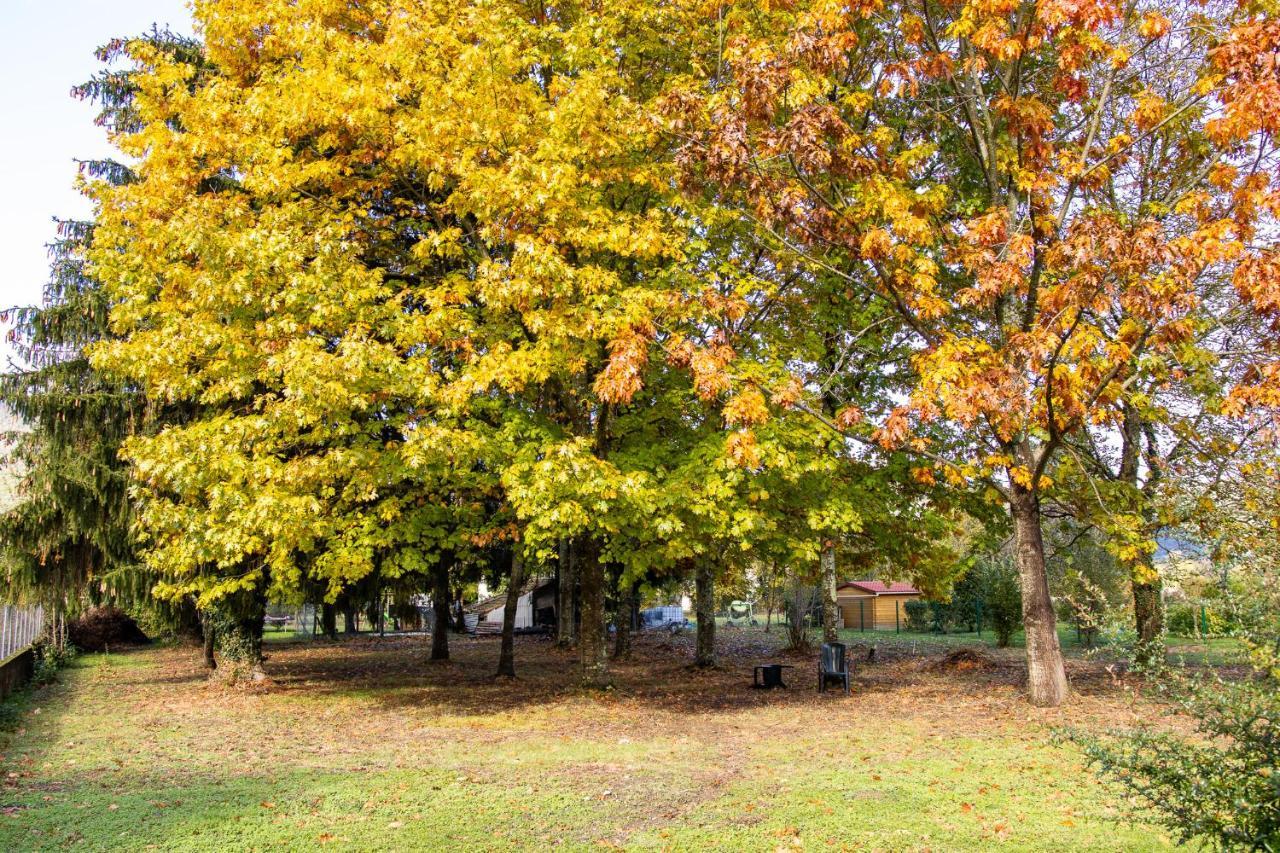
point(682, 283)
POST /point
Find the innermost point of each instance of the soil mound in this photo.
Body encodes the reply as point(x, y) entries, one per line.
point(105, 628)
point(966, 660)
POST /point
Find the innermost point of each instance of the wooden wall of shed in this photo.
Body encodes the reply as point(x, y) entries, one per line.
point(879, 611)
point(891, 611)
point(855, 609)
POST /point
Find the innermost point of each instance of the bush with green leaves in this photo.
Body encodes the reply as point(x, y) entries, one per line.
point(1003, 598)
point(49, 659)
point(1221, 786)
point(919, 616)
point(1198, 619)
point(964, 610)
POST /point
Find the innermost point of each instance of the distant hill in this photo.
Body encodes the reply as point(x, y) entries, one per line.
point(1172, 545)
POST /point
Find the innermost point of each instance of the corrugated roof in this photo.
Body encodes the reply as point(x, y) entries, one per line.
point(881, 588)
point(493, 602)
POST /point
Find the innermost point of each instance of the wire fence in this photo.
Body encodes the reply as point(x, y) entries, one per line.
point(19, 628)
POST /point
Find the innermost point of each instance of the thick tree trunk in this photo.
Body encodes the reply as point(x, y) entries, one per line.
point(830, 611)
point(329, 620)
point(440, 603)
point(628, 603)
point(566, 585)
point(348, 618)
point(1046, 675)
point(592, 643)
point(210, 640)
point(239, 638)
point(251, 628)
point(705, 610)
point(1148, 617)
point(507, 656)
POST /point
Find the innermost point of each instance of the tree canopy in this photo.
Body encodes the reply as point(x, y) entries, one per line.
point(680, 285)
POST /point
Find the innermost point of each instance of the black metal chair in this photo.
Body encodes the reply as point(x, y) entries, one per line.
point(833, 665)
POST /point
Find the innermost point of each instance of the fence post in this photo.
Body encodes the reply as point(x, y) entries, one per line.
point(4, 635)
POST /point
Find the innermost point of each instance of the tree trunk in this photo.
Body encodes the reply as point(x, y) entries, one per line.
point(1046, 675)
point(705, 612)
point(768, 598)
point(628, 603)
point(210, 640)
point(1148, 612)
point(568, 581)
point(1148, 616)
point(592, 643)
point(329, 620)
point(239, 637)
point(348, 618)
point(440, 602)
point(830, 612)
point(507, 656)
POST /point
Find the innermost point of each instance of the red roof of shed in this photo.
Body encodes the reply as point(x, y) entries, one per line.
point(880, 588)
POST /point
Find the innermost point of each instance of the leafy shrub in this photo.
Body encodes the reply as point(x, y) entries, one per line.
point(802, 611)
point(1003, 599)
point(49, 659)
point(966, 602)
point(919, 616)
point(1084, 605)
point(1223, 786)
point(105, 627)
point(1196, 619)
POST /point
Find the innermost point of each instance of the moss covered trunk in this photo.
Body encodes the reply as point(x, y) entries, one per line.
point(593, 653)
point(705, 610)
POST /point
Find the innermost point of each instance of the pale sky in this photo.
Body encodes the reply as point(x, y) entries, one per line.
point(48, 49)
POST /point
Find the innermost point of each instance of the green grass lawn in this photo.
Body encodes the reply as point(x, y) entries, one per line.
point(364, 744)
point(1215, 651)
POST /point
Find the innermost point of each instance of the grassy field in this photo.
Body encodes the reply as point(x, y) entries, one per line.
point(364, 744)
point(1214, 651)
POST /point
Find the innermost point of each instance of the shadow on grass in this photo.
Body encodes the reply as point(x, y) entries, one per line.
point(396, 673)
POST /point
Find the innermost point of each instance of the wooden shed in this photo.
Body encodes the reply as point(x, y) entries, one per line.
point(875, 605)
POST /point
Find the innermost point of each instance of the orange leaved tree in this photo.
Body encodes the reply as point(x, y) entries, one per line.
point(959, 162)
